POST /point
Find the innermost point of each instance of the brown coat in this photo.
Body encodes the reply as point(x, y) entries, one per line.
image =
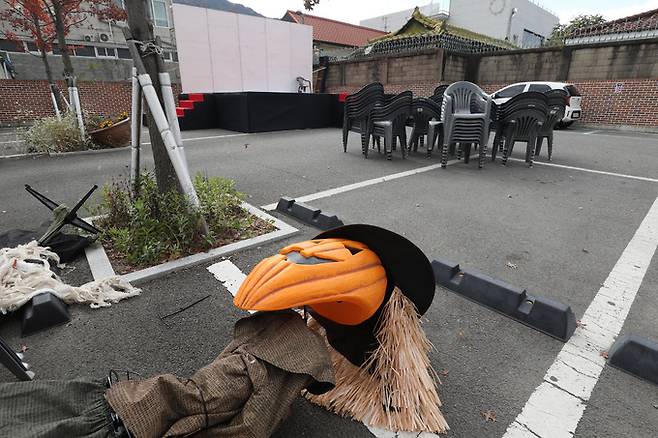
point(246, 392)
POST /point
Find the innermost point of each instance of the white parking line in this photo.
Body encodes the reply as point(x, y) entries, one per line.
point(228, 274)
point(589, 132)
point(366, 183)
point(582, 169)
point(211, 137)
point(232, 277)
point(557, 405)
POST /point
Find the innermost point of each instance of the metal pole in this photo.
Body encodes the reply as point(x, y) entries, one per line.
point(135, 132)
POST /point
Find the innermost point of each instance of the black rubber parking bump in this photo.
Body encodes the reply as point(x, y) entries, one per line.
point(635, 355)
point(543, 314)
point(43, 311)
point(307, 214)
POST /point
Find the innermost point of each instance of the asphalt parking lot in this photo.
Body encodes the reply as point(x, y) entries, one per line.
point(557, 229)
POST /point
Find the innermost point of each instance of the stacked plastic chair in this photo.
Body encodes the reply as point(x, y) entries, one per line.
point(357, 110)
point(520, 119)
point(438, 93)
point(389, 121)
point(502, 112)
point(557, 101)
point(423, 111)
point(466, 118)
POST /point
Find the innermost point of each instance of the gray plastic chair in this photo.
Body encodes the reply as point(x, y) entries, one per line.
point(465, 117)
point(357, 111)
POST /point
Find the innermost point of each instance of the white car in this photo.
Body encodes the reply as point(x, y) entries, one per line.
point(573, 111)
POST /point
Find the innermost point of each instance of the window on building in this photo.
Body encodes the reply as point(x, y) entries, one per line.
point(106, 52)
point(510, 91)
point(542, 88)
point(159, 11)
point(87, 51)
point(32, 47)
point(170, 56)
point(11, 46)
point(123, 53)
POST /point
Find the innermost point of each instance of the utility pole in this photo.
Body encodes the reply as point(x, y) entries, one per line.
point(142, 30)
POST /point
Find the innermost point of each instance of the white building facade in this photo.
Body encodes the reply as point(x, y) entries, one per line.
point(522, 22)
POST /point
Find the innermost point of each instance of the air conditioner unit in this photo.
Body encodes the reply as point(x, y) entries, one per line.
point(103, 37)
point(88, 38)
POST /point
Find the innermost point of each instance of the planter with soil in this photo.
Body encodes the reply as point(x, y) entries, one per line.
point(114, 136)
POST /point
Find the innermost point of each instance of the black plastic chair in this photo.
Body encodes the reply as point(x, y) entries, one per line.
point(557, 101)
point(423, 111)
point(502, 112)
point(357, 110)
point(438, 93)
point(389, 121)
point(523, 125)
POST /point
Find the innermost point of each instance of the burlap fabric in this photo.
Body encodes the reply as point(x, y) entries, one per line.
point(54, 409)
point(246, 392)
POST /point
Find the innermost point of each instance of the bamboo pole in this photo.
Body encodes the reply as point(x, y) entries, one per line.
point(151, 97)
point(135, 132)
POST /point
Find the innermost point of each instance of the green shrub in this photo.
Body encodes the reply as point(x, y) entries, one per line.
point(154, 227)
point(51, 135)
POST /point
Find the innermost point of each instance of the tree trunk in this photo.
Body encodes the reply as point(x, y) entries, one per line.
point(142, 30)
point(46, 65)
point(61, 39)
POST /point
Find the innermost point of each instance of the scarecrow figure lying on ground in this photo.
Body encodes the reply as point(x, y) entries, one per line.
point(365, 288)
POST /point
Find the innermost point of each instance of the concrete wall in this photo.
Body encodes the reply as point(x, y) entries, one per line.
point(31, 67)
point(629, 60)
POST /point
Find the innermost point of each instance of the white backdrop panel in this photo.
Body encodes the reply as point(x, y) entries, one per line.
point(224, 56)
point(253, 52)
point(195, 69)
point(226, 52)
point(278, 55)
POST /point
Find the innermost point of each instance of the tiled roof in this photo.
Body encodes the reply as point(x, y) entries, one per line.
point(422, 25)
point(635, 23)
point(336, 32)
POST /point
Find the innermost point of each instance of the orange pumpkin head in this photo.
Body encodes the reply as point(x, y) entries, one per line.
point(342, 280)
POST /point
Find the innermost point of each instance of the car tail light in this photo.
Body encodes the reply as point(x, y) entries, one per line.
point(567, 100)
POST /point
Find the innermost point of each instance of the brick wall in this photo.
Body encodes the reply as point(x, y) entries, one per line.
point(635, 105)
point(593, 69)
point(23, 101)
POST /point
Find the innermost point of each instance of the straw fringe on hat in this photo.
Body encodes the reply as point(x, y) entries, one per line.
point(395, 388)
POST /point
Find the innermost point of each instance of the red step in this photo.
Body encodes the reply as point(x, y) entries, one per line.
point(180, 112)
point(196, 97)
point(184, 103)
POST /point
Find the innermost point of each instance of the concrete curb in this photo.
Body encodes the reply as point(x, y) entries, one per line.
point(307, 214)
point(62, 154)
point(101, 268)
point(543, 314)
point(635, 355)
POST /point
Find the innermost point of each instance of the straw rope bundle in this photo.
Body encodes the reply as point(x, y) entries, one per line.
point(399, 392)
point(25, 272)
